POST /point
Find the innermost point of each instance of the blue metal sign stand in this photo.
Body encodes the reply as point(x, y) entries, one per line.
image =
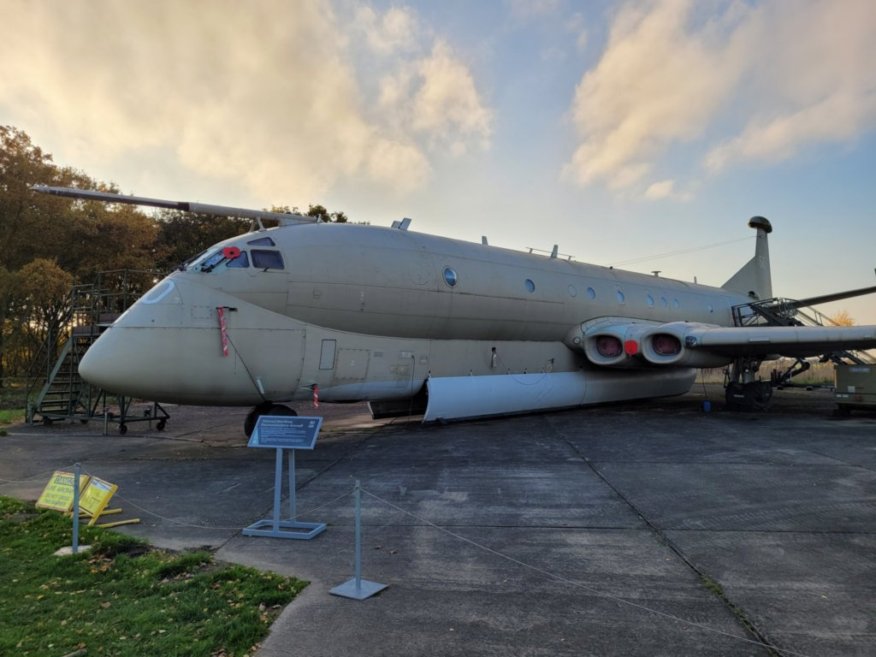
point(289, 433)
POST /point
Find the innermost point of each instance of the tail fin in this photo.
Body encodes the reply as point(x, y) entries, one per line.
point(754, 279)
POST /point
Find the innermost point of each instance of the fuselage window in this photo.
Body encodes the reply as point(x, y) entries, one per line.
point(591, 293)
point(530, 285)
point(650, 301)
point(240, 262)
point(621, 299)
point(450, 276)
point(675, 304)
point(573, 291)
point(266, 259)
point(262, 241)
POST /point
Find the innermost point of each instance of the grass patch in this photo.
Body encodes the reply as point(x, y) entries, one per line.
point(10, 416)
point(123, 598)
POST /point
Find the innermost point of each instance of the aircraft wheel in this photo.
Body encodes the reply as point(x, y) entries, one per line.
point(264, 409)
point(123, 429)
point(734, 396)
point(761, 394)
point(281, 409)
point(754, 396)
point(161, 424)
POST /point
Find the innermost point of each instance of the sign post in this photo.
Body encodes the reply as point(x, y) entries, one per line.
point(285, 432)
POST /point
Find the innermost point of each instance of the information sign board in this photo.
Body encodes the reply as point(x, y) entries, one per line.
point(95, 497)
point(286, 432)
point(58, 493)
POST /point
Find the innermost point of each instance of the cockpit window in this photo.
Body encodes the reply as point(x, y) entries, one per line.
point(240, 262)
point(262, 241)
point(262, 259)
point(210, 262)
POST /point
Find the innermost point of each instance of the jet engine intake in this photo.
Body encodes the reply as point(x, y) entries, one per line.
point(666, 345)
point(614, 345)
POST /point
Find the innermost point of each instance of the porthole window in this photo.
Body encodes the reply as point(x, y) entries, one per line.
point(664, 302)
point(450, 276)
point(650, 300)
point(711, 308)
point(530, 285)
point(591, 293)
point(621, 299)
point(675, 304)
point(573, 291)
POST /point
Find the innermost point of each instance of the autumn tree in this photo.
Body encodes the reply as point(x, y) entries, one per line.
point(48, 241)
point(842, 318)
point(320, 212)
point(62, 236)
point(40, 302)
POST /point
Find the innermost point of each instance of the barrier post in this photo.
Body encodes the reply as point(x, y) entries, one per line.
point(358, 588)
point(77, 469)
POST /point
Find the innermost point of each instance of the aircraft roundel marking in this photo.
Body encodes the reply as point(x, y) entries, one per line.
point(231, 252)
point(631, 347)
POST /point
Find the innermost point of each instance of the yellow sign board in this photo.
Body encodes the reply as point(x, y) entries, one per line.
point(58, 493)
point(95, 497)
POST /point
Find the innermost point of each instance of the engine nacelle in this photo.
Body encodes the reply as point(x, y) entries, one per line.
point(666, 346)
point(613, 345)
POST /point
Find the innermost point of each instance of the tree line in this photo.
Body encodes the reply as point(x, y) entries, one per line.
point(49, 245)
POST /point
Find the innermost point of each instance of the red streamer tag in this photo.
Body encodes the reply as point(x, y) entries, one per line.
point(315, 396)
point(223, 330)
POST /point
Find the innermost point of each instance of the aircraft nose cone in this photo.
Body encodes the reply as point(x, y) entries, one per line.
point(100, 369)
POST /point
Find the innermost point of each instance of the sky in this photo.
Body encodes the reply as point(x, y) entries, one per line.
point(641, 135)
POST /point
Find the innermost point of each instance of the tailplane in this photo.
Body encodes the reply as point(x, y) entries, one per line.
point(754, 279)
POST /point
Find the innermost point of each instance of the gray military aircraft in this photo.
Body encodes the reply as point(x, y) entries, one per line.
point(415, 323)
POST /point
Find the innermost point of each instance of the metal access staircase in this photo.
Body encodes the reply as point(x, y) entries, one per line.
point(65, 395)
point(740, 381)
point(60, 394)
point(785, 312)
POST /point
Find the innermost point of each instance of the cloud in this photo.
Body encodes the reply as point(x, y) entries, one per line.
point(654, 84)
point(745, 83)
point(665, 189)
point(263, 94)
point(397, 30)
point(817, 89)
point(435, 96)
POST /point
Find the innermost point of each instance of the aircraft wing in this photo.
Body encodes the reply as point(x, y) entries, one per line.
point(781, 340)
point(690, 344)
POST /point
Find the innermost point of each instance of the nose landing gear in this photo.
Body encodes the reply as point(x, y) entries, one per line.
point(267, 408)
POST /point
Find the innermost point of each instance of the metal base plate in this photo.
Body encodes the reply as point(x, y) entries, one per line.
point(358, 589)
point(285, 529)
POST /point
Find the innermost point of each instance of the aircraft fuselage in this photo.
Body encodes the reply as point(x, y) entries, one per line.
point(368, 313)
